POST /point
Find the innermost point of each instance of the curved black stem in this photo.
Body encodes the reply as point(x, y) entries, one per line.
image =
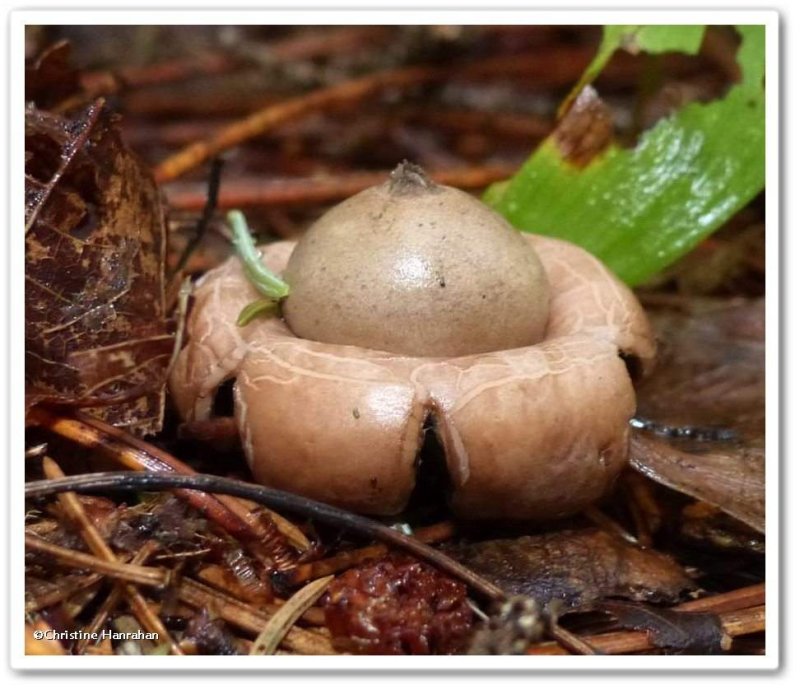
point(214, 181)
point(271, 498)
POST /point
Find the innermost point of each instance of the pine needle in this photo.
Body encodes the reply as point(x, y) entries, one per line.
point(270, 637)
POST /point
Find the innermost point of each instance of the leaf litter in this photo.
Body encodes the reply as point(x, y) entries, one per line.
point(96, 332)
point(711, 373)
point(576, 568)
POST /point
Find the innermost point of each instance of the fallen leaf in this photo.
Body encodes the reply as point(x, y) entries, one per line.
point(710, 368)
point(50, 78)
point(695, 633)
point(710, 374)
point(95, 325)
point(732, 481)
point(706, 525)
point(577, 568)
point(653, 39)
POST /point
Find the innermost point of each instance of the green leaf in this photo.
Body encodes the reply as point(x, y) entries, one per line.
point(658, 38)
point(641, 209)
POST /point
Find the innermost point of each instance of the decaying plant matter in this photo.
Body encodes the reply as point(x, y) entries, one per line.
point(96, 329)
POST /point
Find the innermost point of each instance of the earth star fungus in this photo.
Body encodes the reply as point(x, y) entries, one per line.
point(408, 302)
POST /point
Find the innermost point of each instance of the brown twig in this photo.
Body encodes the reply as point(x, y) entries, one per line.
point(167, 72)
point(547, 67)
point(216, 63)
point(570, 642)
point(97, 545)
point(209, 206)
point(745, 597)
point(528, 128)
point(248, 617)
point(289, 110)
point(316, 44)
point(135, 574)
point(115, 444)
point(97, 84)
point(741, 612)
point(256, 191)
point(734, 624)
point(111, 601)
point(752, 620)
point(233, 515)
point(347, 559)
point(61, 593)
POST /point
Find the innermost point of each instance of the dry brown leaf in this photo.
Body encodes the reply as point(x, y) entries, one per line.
point(95, 327)
point(576, 568)
point(686, 631)
point(711, 373)
point(50, 78)
point(733, 481)
point(706, 525)
point(711, 368)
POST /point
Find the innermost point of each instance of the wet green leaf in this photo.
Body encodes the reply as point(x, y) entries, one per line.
point(633, 38)
point(641, 209)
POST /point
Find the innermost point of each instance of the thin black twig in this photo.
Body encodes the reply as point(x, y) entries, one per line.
point(271, 498)
point(214, 180)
